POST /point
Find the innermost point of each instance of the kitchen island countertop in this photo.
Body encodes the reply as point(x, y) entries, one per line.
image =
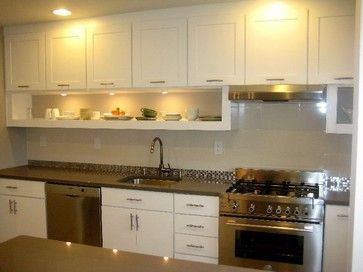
point(29, 254)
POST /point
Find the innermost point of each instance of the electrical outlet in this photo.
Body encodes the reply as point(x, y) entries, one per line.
point(97, 143)
point(218, 147)
point(43, 142)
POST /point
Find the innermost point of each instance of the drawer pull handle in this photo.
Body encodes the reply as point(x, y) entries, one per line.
point(106, 83)
point(11, 206)
point(134, 199)
point(23, 86)
point(195, 205)
point(342, 215)
point(131, 221)
point(214, 80)
point(195, 246)
point(63, 85)
point(195, 226)
point(157, 82)
point(275, 79)
point(11, 187)
point(15, 209)
point(343, 78)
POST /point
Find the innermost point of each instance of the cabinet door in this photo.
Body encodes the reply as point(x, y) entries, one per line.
point(216, 50)
point(155, 233)
point(25, 61)
point(336, 239)
point(331, 45)
point(118, 228)
point(66, 59)
point(160, 53)
point(276, 44)
point(7, 219)
point(30, 216)
point(109, 56)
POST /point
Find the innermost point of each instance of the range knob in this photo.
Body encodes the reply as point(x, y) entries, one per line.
point(269, 209)
point(288, 211)
point(252, 207)
point(278, 210)
point(235, 205)
point(297, 211)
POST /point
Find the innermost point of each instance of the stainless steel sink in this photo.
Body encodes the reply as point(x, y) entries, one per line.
point(150, 180)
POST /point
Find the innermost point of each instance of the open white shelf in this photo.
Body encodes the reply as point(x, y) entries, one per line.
point(18, 103)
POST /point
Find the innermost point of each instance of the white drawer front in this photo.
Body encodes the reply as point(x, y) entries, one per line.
point(196, 245)
point(22, 188)
point(196, 225)
point(196, 258)
point(196, 204)
point(137, 199)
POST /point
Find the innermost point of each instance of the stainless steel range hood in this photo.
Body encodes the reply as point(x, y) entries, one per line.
point(277, 93)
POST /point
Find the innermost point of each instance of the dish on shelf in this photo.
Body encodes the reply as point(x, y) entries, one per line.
point(116, 117)
point(142, 118)
point(210, 118)
point(67, 117)
point(172, 118)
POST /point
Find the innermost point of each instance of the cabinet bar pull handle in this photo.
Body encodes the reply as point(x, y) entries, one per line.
point(63, 85)
point(214, 80)
point(195, 246)
point(134, 199)
point(137, 222)
point(158, 81)
point(195, 205)
point(11, 207)
point(275, 79)
point(131, 221)
point(195, 226)
point(23, 86)
point(11, 187)
point(72, 195)
point(15, 210)
point(343, 78)
point(106, 84)
point(342, 215)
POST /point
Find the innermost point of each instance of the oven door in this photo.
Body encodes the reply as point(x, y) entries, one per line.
point(270, 245)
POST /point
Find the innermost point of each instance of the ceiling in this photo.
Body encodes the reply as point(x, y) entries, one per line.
point(31, 11)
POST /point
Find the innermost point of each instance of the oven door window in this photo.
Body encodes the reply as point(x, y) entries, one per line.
point(269, 246)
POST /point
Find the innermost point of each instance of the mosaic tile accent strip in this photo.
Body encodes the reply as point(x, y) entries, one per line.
point(337, 184)
point(204, 176)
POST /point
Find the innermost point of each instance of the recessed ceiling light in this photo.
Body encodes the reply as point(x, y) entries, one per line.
point(62, 12)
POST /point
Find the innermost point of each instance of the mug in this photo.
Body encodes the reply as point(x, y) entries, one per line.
point(55, 113)
point(192, 113)
point(48, 113)
point(96, 115)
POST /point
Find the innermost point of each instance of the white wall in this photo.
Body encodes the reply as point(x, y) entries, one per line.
point(12, 141)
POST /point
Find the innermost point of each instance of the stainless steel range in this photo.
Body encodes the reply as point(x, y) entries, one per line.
point(273, 220)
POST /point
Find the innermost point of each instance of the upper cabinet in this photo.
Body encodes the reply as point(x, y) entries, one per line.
point(160, 53)
point(276, 44)
point(216, 50)
point(109, 56)
point(25, 61)
point(331, 48)
point(66, 59)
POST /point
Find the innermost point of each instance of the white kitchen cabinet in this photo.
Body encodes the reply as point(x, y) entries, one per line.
point(148, 229)
point(331, 43)
point(196, 227)
point(109, 56)
point(66, 59)
point(336, 239)
point(160, 53)
point(216, 50)
point(22, 209)
point(339, 111)
point(276, 44)
point(25, 61)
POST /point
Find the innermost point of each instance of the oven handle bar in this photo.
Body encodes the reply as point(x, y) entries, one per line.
point(310, 229)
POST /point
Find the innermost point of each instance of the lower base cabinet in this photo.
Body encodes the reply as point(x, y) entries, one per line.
point(336, 239)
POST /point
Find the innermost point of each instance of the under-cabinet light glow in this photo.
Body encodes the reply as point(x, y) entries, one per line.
point(63, 94)
point(111, 93)
point(68, 243)
point(166, 259)
point(114, 250)
point(62, 12)
point(164, 92)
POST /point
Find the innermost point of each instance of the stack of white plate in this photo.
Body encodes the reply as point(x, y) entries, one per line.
point(172, 117)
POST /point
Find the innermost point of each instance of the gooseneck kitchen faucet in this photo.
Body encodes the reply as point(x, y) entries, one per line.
point(162, 169)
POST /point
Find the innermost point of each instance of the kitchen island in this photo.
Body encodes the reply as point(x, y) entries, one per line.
point(25, 253)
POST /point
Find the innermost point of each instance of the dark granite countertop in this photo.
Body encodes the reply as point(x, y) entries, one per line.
point(102, 179)
point(337, 198)
point(29, 254)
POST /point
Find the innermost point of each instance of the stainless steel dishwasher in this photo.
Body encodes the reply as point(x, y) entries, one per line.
point(74, 214)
